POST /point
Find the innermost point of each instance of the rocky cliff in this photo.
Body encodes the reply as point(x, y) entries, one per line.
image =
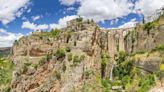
point(83, 57)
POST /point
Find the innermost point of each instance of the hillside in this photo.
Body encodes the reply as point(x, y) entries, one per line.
point(4, 52)
point(85, 58)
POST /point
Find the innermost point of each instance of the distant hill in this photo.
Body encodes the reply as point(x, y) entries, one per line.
point(4, 52)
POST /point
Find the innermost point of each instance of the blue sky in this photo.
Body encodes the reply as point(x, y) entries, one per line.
point(20, 17)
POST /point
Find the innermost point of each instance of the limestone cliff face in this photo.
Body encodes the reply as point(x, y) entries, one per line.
point(82, 39)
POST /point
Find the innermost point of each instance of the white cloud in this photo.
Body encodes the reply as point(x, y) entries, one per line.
point(69, 2)
point(114, 21)
point(100, 10)
point(32, 26)
point(131, 23)
point(53, 26)
point(7, 38)
point(24, 18)
point(71, 8)
point(34, 18)
point(63, 22)
point(10, 9)
point(29, 10)
point(148, 7)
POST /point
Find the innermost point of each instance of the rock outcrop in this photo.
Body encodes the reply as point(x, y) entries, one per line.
point(78, 68)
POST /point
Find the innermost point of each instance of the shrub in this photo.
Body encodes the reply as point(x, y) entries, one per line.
point(35, 66)
point(27, 64)
point(106, 85)
point(103, 58)
point(57, 75)
point(121, 57)
point(87, 73)
point(158, 48)
point(69, 56)
point(82, 57)
point(6, 89)
point(79, 19)
point(126, 80)
point(127, 35)
point(64, 67)
point(42, 61)
point(103, 63)
point(75, 43)
point(123, 69)
point(68, 49)
point(6, 69)
point(55, 33)
point(116, 83)
point(60, 54)
point(68, 35)
point(24, 68)
point(48, 57)
point(150, 25)
point(16, 42)
point(146, 83)
point(160, 75)
point(76, 59)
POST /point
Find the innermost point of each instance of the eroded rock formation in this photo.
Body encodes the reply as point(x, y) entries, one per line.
point(80, 39)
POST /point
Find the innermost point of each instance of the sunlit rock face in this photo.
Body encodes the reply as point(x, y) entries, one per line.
point(78, 38)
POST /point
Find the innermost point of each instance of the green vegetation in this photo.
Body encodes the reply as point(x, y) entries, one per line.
point(80, 19)
point(42, 61)
point(68, 49)
point(69, 56)
point(84, 88)
point(16, 43)
point(121, 57)
point(123, 69)
point(126, 36)
point(57, 75)
point(24, 68)
point(162, 67)
point(35, 66)
point(75, 43)
point(82, 57)
point(64, 67)
point(6, 69)
point(103, 58)
point(87, 73)
point(48, 57)
point(55, 32)
point(106, 85)
point(78, 59)
point(45, 59)
point(146, 83)
point(148, 26)
point(159, 48)
point(130, 76)
point(68, 35)
point(60, 54)
point(4, 52)
point(103, 63)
